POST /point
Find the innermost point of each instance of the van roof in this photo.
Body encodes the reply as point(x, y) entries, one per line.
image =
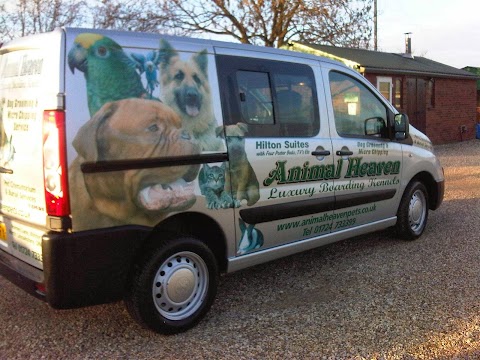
point(132, 39)
point(144, 40)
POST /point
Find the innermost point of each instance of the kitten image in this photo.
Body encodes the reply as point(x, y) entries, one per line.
point(212, 185)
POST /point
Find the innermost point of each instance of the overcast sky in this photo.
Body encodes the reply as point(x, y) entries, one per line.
point(447, 31)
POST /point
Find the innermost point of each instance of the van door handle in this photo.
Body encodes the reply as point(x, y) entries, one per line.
point(320, 153)
point(5, 170)
point(344, 153)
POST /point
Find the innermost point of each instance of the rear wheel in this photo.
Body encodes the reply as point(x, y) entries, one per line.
point(413, 211)
point(174, 286)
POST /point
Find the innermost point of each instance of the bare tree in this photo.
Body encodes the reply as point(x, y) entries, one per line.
point(4, 25)
point(343, 22)
point(275, 22)
point(130, 15)
point(33, 16)
point(264, 22)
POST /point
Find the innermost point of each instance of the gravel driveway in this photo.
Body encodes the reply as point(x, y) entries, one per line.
point(373, 297)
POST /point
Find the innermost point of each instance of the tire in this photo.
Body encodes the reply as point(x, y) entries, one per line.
point(174, 286)
point(413, 211)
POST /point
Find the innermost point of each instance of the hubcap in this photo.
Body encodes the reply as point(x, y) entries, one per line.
point(180, 285)
point(417, 211)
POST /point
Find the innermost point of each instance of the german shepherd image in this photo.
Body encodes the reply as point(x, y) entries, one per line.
point(185, 88)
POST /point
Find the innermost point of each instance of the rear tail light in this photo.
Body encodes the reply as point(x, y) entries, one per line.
point(40, 289)
point(55, 163)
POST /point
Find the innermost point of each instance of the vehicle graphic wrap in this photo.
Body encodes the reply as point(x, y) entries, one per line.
point(150, 104)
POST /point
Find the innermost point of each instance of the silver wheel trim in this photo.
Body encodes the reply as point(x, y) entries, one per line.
point(180, 285)
point(417, 211)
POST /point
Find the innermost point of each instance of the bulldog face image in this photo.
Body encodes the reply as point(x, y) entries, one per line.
point(137, 130)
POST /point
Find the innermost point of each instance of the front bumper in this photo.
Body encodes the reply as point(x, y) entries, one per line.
point(437, 196)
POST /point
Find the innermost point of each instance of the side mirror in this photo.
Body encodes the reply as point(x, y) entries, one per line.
point(401, 126)
point(375, 126)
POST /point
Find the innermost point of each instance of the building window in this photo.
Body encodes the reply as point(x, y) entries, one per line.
point(384, 85)
point(398, 94)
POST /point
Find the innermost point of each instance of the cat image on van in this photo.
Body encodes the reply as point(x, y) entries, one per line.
point(212, 185)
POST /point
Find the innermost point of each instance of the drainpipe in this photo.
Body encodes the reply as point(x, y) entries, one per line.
point(463, 130)
point(375, 28)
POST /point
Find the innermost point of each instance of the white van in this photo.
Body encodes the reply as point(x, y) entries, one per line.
point(140, 167)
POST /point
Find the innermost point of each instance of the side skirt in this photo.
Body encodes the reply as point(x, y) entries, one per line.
point(244, 261)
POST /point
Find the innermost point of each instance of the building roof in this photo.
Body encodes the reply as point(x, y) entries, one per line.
point(382, 62)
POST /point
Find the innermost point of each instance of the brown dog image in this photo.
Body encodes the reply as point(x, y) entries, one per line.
point(131, 129)
point(242, 178)
point(185, 88)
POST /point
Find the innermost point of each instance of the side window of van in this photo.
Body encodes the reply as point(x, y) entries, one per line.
point(357, 111)
point(256, 102)
point(275, 99)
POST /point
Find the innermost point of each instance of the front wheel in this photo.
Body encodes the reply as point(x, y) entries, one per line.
point(174, 286)
point(413, 211)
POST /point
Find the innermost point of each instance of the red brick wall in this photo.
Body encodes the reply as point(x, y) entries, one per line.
point(455, 106)
point(478, 105)
point(372, 78)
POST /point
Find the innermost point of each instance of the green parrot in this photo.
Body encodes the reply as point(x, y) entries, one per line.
point(109, 72)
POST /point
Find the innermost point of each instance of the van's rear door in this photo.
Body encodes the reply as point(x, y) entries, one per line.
point(30, 82)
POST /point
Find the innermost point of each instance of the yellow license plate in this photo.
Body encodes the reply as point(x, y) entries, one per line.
point(3, 232)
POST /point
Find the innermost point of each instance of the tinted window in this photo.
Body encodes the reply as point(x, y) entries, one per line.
point(274, 98)
point(255, 96)
point(357, 111)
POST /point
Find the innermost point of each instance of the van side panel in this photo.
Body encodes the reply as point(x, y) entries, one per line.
point(142, 130)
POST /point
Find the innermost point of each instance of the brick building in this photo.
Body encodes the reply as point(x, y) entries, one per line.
point(439, 100)
point(476, 71)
